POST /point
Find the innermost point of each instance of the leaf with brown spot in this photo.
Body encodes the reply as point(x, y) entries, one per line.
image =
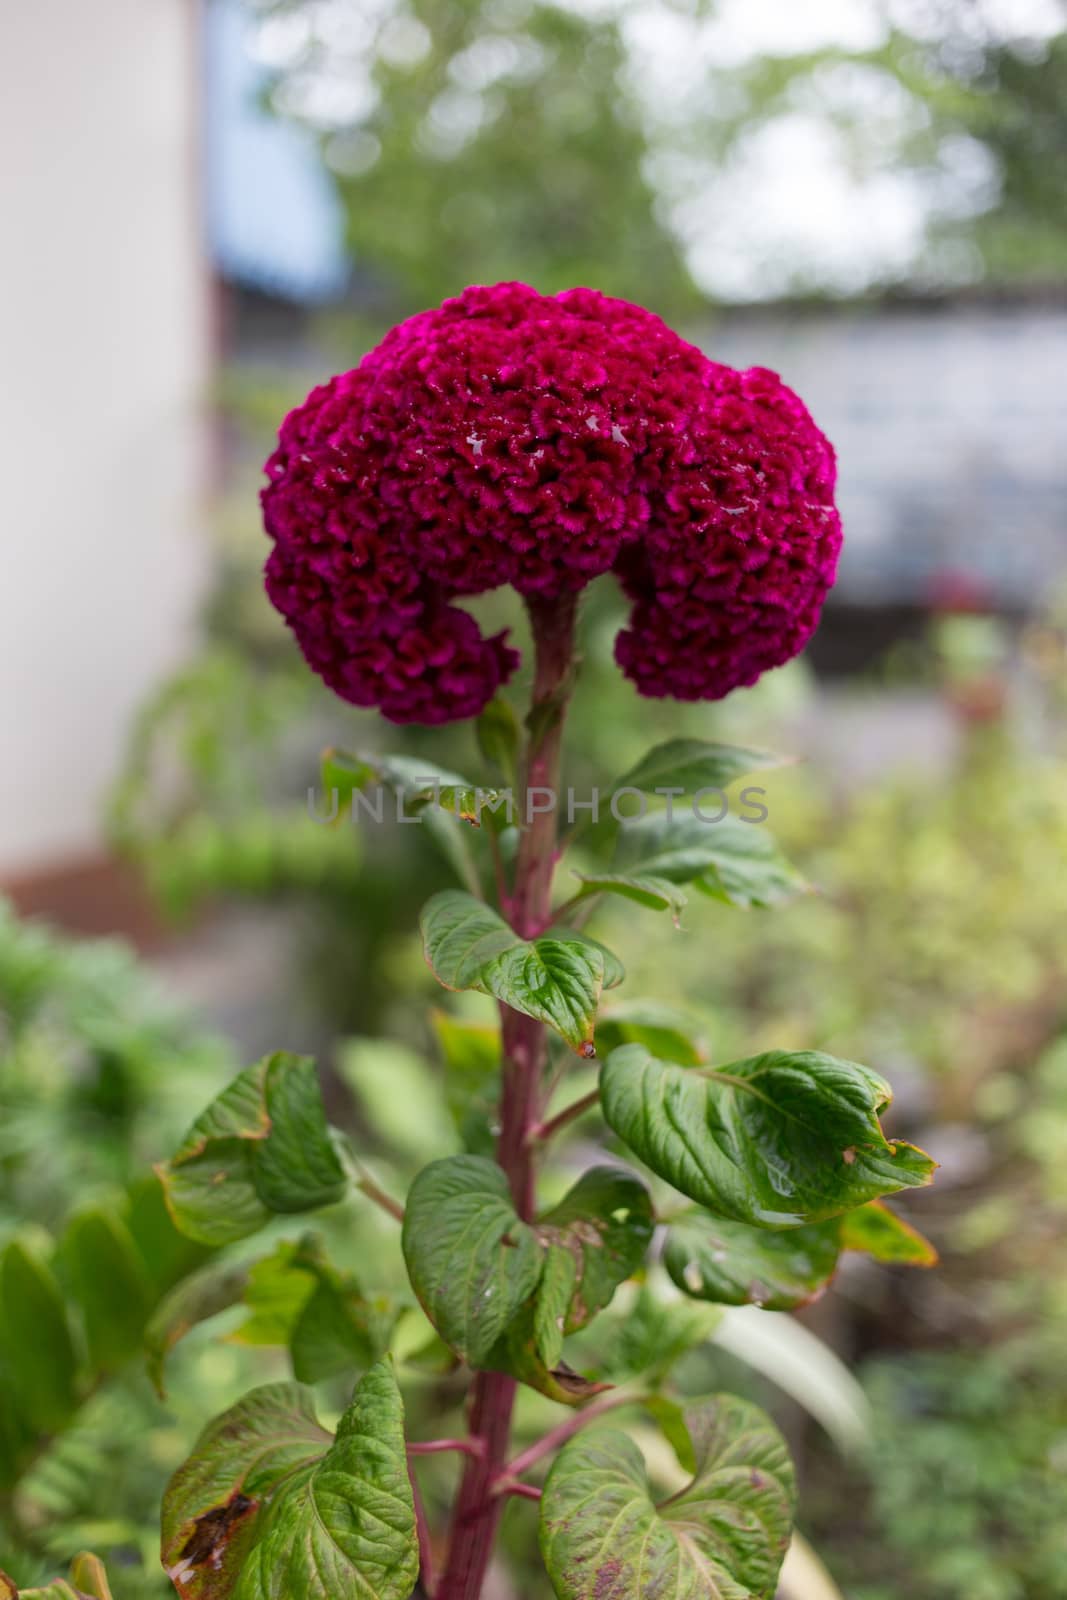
point(239, 1461)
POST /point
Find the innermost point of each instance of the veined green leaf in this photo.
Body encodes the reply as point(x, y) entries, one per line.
point(605, 1224)
point(268, 1505)
point(504, 1293)
point(730, 1263)
point(776, 1140)
point(262, 1147)
point(552, 1306)
point(878, 1232)
point(722, 1538)
point(730, 860)
point(556, 978)
point(657, 894)
point(472, 1262)
point(36, 1347)
point(344, 1529)
point(693, 764)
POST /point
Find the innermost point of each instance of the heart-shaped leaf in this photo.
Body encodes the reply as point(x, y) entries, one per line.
point(722, 1538)
point(557, 978)
point(732, 1264)
point(878, 1232)
point(688, 765)
point(260, 1148)
point(472, 1262)
point(776, 1140)
point(729, 859)
point(345, 1528)
point(212, 1503)
point(269, 1505)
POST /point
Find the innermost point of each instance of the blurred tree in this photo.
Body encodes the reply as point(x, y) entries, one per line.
point(487, 140)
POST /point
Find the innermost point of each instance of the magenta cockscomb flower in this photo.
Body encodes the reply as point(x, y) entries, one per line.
point(509, 437)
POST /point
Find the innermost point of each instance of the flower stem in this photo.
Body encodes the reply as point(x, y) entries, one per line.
point(543, 1131)
point(559, 1436)
point(477, 1509)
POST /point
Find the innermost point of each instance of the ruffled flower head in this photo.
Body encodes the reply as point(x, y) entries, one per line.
point(512, 438)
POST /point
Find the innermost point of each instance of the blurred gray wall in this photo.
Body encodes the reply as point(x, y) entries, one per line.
point(950, 422)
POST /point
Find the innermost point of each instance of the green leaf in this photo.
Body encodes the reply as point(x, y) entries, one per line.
point(776, 1140)
point(239, 1461)
point(646, 1336)
point(167, 1256)
point(269, 1505)
point(472, 1262)
point(338, 1330)
point(731, 1264)
point(88, 1574)
point(878, 1232)
point(415, 781)
point(517, 1353)
point(557, 978)
point(58, 1589)
point(344, 1529)
point(278, 1288)
point(552, 1306)
point(694, 764)
point(669, 1034)
point(36, 1348)
point(88, 1581)
point(499, 737)
point(722, 1538)
point(297, 1298)
point(731, 860)
point(262, 1147)
point(213, 1289)
point(109, 1284)
point(656, 894)
point(472, 1058)
point(412, 777)
point(605, 1224)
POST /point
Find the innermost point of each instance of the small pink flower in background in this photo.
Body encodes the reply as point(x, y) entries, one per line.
point(512, 438)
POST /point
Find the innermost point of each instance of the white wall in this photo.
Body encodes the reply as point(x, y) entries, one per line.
point(104, 347)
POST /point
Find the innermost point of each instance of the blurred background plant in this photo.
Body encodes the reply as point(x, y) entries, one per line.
point(867, 194)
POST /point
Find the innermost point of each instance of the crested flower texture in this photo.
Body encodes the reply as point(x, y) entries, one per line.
point(512, 438)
